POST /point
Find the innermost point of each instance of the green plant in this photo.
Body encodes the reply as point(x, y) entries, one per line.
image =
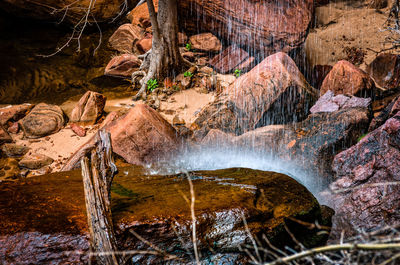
point(188, 74)
point(152, 84)
point(237, 72)
point(361, 137)
point(188, 46)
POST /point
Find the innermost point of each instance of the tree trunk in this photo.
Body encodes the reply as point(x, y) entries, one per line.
point(165, 58)
point(98, 172)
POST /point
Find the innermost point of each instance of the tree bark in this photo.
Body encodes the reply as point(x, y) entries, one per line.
point(165, 58)
point(98, 172)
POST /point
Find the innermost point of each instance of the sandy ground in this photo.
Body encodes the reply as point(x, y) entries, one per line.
point(342, 24)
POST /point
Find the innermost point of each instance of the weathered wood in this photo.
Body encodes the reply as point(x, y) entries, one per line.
point(98, 172)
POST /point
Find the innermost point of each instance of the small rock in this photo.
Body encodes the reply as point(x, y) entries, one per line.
point(89, 108)
point(14, 128)
point(78, 130)
point(330, 103)
point(14, 112)
point(43, 120)
point(185, 81)
point(227, 60)
point(14, 150)
point(35, 161)
point(205, 42)
point(385, 70)
point(4, 136)
point(144, 45)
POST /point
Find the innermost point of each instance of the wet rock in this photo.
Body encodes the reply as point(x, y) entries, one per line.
point(205, 42)
point(270, 26)
point(312, 143)
point(35, 161)
point(363, 201)
point(89, 108)
point(184, 81)
point(44, 119)
point(152, 208)
point(385, 70)
point(227, 60)
point(78, 130)
point(9, 170)
point(349, 80)
point(246, 65)
point(125, 37)
point(378, 4)
point(217, 137)
point(144, 45)
point(176, 120)
point(330, 103)
point(122, 66)
point(143, 136)
point(14, 113)
point(391, 109)
point(274, 91)
point(4, 136)
point(14, 150)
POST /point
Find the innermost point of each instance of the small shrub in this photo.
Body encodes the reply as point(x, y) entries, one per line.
point(188, 46)
point(152, 84)
point(188, 74)
point(237, 72)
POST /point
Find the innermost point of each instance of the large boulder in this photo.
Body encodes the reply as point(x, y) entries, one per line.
point(70, 11)
point(122, 66)
point(273, 92)
point(44, 119)
point(152, 207)
point(143, 136)
point(89, 108)
point(125, 37)
point(367, 194)
point(349, 80)
point(270, 26)
point(312, 143)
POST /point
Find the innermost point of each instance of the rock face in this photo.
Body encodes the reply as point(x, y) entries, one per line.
point(267, 25)
point(347, 79)
point(272, 92)
point(375, 159)
point(330, 103)
point(205, 42)
point(143, 136)
point(14, 113)
point(311, 143)
point(122, 66)
point(42, 9)
point(227, 60)
point(89, 108)
point(152, 208)
point(385, 70)
point(43, 120)
point(125, 37)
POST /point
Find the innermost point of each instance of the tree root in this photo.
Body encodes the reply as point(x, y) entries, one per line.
point(135, 75)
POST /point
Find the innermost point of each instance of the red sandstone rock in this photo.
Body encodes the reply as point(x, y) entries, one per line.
point(330, 103)
point(385, 70)
point(89, 108)
point(205, 42)
point(123, 65)
point(318, 75)
point(125, 37)
point(14, 128)
point(227, 60)
point(271, 26)
point(347, 79)
point(273, 92)
point(140, 14)
point(4, 136)
point(375, 159)
point(144, 45)
point(14, 112)
point(78, 130)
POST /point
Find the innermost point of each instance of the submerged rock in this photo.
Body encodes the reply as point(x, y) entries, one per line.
point(44, 119)
point(153, 207)
point(365, 199)
point(14, 150)
point(349, 80)
point(273, 92)
point(89, 108)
